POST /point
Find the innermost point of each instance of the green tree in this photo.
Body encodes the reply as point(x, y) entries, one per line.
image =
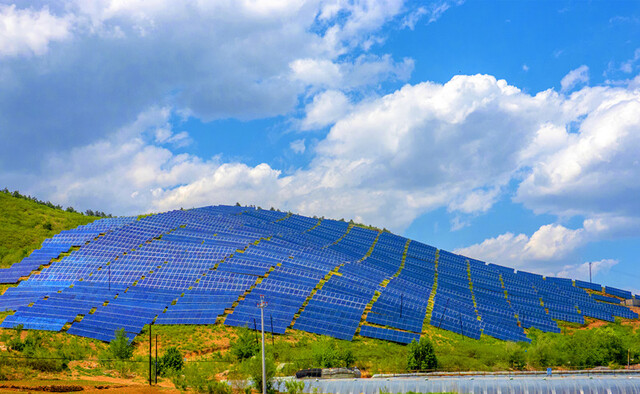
point(253, 368)
point(421, 356)
point(119, 347)
point(245, 346)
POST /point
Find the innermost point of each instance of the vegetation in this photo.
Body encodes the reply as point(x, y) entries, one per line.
point(328, 354)
point(216, 352)
point(119, 347)
point(253, 369)
point(171, 362)
point(294, 386)
point(245, 346)
point(421, 356)
point(25, 224)
point(49, 204)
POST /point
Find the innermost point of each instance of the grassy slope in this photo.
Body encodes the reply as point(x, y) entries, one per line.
point(22, 226)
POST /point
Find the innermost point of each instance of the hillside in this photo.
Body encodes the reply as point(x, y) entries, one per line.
point(333, 288)
point(25, 224)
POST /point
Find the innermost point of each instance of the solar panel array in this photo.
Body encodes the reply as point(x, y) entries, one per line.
point(211, 265)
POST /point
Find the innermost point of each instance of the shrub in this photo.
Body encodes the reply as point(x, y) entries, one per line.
point(421, 356)
point(170, 362)
point(294, 386)
point(253, 368)
point(516, 357)
point(15, 343)
point(215, 387)
point(245, 346)
point(327, 355)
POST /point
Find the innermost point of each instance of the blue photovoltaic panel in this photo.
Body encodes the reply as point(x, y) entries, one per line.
point(212, 264)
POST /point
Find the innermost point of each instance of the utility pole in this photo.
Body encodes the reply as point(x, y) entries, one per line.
point(262, 305)
point(150, 355)
point(590, 281)
point(156, 358)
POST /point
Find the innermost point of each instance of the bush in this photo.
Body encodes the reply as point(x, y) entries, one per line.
point(245, 346)
point(170, 362)
point(15, 342)
point(253, 368)
point(215, 387)
point(421, 356)
point(327, 355)
point(119, 347)
point(294, 386)
point(516, 357)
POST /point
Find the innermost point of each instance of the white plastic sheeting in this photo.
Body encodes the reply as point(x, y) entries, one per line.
point(480, 385)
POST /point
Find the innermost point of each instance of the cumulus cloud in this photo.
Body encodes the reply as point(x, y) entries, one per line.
point(213, 60)
point(29, 31)
point(385, 161)
point(363, 71)
point(129, 172)
point(591, 172)
point(574, 78)
point(325, 109)
point(540, 252)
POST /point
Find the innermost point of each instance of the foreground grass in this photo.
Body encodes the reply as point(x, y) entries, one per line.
point(24, 225)
point(208, 353)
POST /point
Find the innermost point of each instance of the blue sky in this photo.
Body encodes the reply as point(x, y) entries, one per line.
point(507, 131)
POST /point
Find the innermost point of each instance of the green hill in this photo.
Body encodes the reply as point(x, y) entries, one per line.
point(25, 224)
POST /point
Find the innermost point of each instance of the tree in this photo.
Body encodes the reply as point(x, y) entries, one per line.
point(253, 368)
point(119, 347)
point(421, 356)
point(245, 346)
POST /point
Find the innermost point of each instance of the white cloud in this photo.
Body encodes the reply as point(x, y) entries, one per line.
point(581, 271)
point(594, 171)
point(574, 78)
point(363, 71)
point(540, 252)
point(525, 68)
point(316, 71)
point(213, 60)
point(325, 109)
point(28, 31)
point(386, 160)
point(628, 66)
point(127, 174)
point(298, 146)
point(433, 12)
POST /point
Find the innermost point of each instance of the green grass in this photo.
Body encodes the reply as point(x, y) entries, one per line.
point(25, 224)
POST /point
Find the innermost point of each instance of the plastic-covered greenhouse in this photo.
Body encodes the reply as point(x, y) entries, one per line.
point(480, 385)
